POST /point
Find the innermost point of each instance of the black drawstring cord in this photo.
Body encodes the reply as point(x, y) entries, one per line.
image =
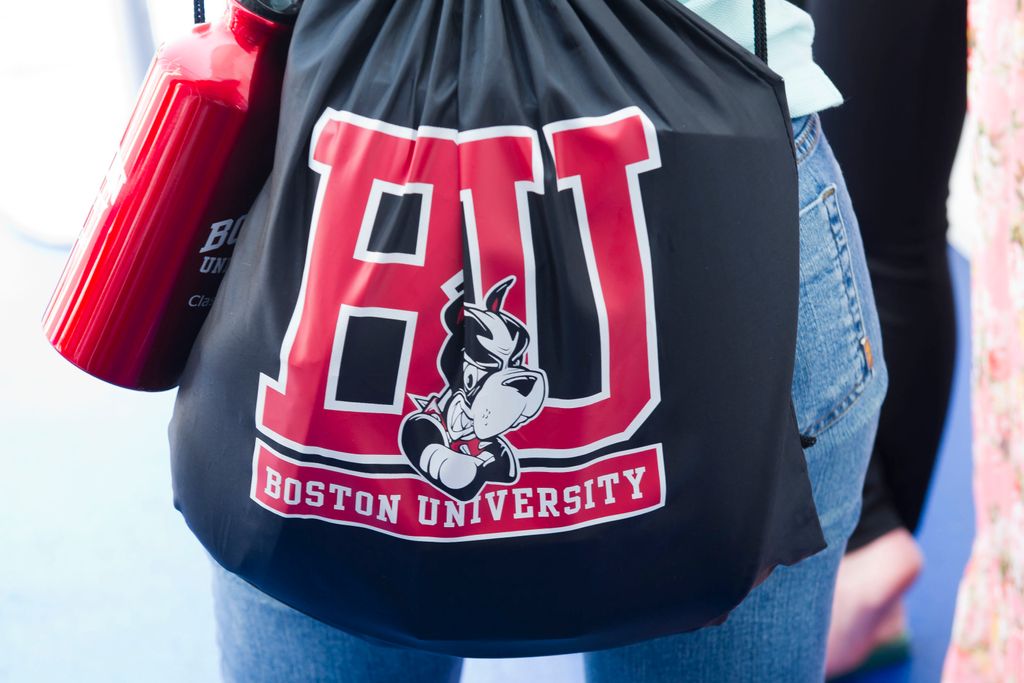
point(760, 31)
point(200, 11)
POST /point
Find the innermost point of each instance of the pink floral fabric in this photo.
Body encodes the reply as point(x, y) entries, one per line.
point(988, 633)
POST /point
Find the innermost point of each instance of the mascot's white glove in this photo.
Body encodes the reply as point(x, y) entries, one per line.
point(453, 469)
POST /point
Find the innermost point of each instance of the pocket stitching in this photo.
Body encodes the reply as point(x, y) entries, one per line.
point(840, 237)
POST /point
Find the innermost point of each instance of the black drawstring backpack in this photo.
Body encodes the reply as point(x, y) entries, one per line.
point(502, 364)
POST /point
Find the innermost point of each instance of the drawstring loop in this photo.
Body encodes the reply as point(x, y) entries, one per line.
point(760, 31)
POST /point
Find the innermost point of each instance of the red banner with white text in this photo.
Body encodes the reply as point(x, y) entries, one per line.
point(543, 500)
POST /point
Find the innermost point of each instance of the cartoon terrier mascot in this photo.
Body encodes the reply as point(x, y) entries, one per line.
point(454, 440)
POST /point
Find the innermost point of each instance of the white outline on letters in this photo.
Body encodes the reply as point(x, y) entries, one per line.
point(345, 314)
point(633, 172)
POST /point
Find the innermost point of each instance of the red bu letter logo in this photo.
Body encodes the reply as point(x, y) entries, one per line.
point(391, 358)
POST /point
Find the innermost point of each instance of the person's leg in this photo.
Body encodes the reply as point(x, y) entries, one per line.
point(909, 69)
point(264, 641)
point(779, 632)
point(900, 64)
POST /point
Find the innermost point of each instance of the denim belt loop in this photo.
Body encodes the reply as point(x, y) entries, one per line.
point(807, 138)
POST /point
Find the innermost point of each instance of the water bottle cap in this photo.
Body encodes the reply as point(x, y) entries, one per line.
point(278, 11)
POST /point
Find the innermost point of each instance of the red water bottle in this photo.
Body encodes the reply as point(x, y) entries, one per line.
point(146, 267)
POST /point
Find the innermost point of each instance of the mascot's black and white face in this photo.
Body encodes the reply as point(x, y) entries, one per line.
point(495, 393)
point(455, 438)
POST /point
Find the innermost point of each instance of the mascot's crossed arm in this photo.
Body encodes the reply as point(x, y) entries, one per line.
point(455, 438)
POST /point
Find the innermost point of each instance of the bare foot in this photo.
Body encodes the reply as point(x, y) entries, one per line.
point(893, 625)
point(867, 609)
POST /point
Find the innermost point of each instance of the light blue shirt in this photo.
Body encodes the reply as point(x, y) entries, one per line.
point(790, 35)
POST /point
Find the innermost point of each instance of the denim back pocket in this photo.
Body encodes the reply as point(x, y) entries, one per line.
point(833, 360)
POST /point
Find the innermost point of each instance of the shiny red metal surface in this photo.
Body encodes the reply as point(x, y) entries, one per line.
point(198, 147)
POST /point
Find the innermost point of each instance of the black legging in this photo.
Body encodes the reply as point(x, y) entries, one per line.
point(901, 67)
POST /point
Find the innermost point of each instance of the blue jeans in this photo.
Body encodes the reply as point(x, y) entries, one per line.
point(778, 633)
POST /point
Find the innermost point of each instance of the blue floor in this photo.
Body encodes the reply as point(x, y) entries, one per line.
point(947, 528)
point(100, 580)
